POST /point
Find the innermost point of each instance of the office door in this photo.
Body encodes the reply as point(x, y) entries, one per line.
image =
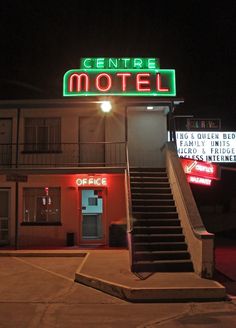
point(92, 216)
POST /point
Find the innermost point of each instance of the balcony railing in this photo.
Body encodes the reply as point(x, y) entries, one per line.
point(63, 155)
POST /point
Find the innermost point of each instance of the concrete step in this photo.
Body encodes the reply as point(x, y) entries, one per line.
point(149, 196)
point(149, 184)
point(156, 222)
point(161, 255)
point(155, 215)
point(153, 202)
point(157, 246)
point(163, 266)
point(138, 230)
point(150, 190)
point(147, 169)
point(153, 209)
point(149, 238)
point(148, 179)
point(160, 246)
point(148, 174)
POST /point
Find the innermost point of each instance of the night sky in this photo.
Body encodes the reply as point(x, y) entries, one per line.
point(41, 40)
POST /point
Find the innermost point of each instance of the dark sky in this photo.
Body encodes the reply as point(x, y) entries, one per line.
point(41, 40)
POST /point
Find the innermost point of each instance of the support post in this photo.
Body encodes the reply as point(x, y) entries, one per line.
point(17, 183)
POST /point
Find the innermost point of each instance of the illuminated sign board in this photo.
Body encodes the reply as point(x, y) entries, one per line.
point(209, 146)
point(200, 169)
point(119, 77)
point(91, 181)
point(203, 124)
point(199, 172)
point(199, 180)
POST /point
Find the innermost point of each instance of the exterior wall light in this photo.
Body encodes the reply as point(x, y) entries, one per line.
point(106, 106)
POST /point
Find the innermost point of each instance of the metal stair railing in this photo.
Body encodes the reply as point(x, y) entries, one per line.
point(129, 209)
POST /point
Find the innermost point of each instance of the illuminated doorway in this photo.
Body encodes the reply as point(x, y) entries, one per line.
point(92, 217)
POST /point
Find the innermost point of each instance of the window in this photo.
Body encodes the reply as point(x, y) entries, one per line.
point(42, 134)
point(92, 201)
point(42, 205)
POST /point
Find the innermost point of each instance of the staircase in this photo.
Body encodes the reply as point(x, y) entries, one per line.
point(158, 240)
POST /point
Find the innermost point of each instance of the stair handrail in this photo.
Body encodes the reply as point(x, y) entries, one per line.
point(202, 252)
point(129, 208)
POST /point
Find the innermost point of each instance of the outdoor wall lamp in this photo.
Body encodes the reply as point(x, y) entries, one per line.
point(106, 106)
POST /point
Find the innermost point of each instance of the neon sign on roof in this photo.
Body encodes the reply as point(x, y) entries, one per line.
point(119, 77)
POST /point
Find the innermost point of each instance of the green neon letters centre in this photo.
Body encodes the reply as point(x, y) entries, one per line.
point(97, 77)
point(120, 63)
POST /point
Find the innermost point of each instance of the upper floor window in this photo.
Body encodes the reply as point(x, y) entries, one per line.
point(42, 134)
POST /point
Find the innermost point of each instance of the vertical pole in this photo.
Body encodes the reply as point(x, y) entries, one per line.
point(104, 138)
point(16, 214)
point(126, 124)
point(126, 136)
point(170, 122)
point(173, 123)
point(17, 136)
point(17, 183)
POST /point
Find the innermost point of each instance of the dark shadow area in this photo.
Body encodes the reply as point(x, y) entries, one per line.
point(217, 206)
point(225, 255)
point(217, 203)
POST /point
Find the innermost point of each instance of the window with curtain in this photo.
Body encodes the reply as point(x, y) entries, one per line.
point(42, 134)
point(42, 205)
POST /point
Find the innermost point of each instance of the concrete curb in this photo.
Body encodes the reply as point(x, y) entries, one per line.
point(42, 253)
point(153, 294)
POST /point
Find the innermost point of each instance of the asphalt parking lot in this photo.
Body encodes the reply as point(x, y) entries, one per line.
point(41, 292)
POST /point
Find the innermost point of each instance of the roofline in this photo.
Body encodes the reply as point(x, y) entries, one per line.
point(73, 103)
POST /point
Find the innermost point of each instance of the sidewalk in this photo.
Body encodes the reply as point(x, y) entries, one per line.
point(108, 270)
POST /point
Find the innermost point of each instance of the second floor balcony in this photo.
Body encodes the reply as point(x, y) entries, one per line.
point(62, 155)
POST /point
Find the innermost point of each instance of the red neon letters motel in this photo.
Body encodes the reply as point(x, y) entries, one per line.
point(103, 82)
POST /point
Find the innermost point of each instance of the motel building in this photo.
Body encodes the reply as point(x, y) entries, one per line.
point(96, 169)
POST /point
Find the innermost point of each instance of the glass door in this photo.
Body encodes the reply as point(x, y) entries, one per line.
point(92, 227)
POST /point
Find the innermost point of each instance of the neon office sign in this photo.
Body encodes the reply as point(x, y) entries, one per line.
point(119, 77)
point(91, 181)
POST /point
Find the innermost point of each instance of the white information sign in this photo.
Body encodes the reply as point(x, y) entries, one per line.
point(209, 146)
